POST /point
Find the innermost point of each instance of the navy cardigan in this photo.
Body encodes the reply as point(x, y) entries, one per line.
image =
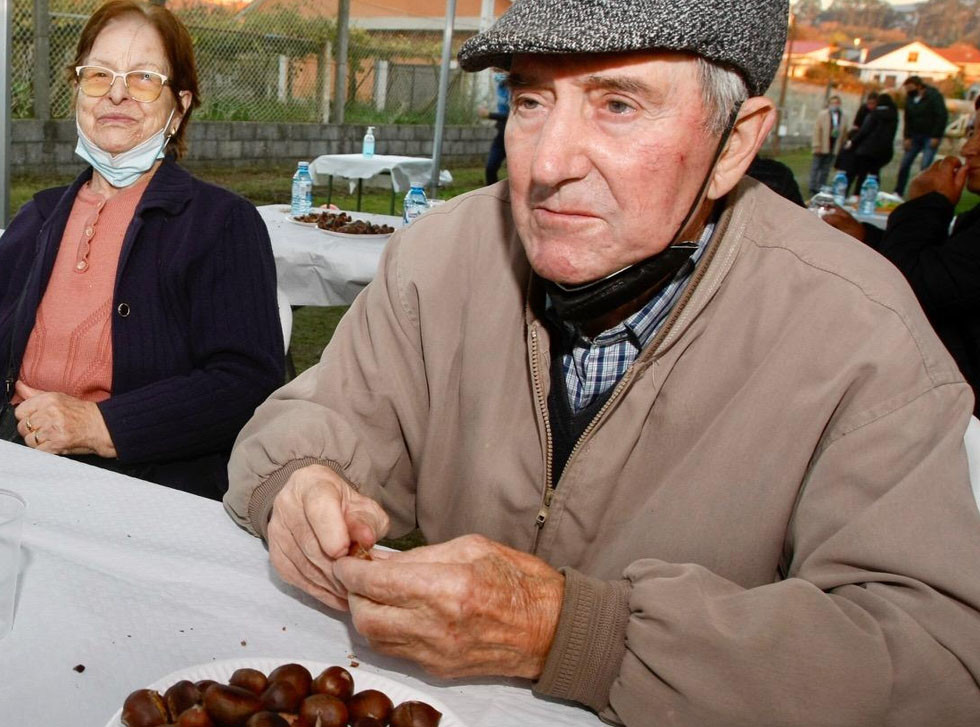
point(196, 337)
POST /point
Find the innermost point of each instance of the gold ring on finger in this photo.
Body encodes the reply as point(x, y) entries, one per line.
point(27, 423)
point(37, 439)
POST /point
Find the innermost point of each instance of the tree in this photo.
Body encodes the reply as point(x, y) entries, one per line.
point(807, 11)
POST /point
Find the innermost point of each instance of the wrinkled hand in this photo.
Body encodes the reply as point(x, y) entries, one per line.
point(843, 221)
point(61, 424)
point(315, 518)
point(947, 176)
point(466, 607)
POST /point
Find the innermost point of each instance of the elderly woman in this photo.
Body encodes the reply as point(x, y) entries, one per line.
point(138, 318)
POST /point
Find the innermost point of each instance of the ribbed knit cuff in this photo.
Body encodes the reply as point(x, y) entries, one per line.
point(589, 643)
point(260, 505)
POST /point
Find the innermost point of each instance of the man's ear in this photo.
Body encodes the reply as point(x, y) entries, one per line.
point(755, 121)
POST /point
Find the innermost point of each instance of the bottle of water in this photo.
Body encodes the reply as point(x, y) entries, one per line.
point(869, 195)
point(415, 203)
point(302, 200)
point(840, 189)
point(367, 148)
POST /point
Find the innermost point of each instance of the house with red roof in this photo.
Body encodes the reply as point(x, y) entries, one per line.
point(966, 56)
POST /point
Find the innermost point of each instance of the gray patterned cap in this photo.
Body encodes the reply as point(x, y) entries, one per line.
point(747, 35)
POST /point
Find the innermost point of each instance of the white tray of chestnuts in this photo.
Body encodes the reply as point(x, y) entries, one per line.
point(267, 692)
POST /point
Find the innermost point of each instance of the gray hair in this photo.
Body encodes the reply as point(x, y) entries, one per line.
point(722, 91)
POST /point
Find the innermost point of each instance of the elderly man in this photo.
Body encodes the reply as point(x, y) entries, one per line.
point(829, 130)
point(686, 454)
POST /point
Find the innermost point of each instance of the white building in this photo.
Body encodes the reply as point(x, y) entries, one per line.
point(890, 64)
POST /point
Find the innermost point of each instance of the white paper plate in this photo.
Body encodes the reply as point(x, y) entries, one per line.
point(221, 671)
point(292, 219)
point(354, 236)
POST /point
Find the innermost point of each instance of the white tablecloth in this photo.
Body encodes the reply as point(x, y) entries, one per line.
point(403, 170)
point(314, 268)
point(134, 581)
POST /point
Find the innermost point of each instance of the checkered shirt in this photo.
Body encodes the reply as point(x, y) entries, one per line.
point(593, 366)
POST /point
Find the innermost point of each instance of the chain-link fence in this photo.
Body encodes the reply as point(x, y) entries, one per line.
point(257, 61)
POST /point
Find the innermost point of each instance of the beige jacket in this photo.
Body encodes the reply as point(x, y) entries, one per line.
point(770, 522)
point(821, 133)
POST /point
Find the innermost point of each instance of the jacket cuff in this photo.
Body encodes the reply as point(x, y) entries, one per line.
point(590, 641)
point(260, 504)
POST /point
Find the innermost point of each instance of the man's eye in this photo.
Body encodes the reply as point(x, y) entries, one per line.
point(618, 107)
point(524, 102)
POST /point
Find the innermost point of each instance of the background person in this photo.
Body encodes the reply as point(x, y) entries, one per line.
point(874, 143)
point(942, 266)
point(497, 151)
point(925, 125)
point(845, 157)
point(138, 317)
point(829, 132)
point(667, 432)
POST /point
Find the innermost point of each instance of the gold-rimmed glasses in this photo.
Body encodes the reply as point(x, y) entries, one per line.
point(143, 86)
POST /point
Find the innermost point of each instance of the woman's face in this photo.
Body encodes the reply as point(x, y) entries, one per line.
point(116, 122)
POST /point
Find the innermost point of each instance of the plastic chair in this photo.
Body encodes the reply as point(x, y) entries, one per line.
point(286, 319)
point(972, 441)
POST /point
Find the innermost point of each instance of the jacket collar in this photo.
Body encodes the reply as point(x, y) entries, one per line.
point(169, 190)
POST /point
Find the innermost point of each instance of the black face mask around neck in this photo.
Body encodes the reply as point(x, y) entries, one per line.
point(588, 301)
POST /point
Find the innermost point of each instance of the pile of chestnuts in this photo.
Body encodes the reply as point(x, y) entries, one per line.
point(343, 222)
point(289, 695)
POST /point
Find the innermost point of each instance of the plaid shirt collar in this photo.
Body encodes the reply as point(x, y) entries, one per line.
point(592, 366)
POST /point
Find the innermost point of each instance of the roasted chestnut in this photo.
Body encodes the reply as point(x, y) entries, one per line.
point(266, 719)
point(144, 708)
point(230, 706)
point(181, 696)
point(367, 722)
point(322, 710)
point(370, 703)
point(281, 697)
point(296, 674)
point(335, 681)
point(251, 679)
point(203, 685)
point(414, 714)
point(196, 716)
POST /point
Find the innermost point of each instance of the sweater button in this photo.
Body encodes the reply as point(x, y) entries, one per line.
point(81, 265)
point(123, 310)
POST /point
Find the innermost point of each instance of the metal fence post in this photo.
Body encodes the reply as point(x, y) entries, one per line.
point(42, 61)
point(447, 49)
point(340, 77)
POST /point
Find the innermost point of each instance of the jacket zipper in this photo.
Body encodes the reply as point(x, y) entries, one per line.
point(549, 490)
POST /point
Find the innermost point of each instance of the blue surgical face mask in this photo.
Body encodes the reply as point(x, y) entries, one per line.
point(123, 169)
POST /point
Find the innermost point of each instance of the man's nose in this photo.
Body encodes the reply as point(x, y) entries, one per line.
point(561, 149)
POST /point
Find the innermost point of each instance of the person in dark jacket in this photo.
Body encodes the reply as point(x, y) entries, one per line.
point(874, 143)
point(138, 320)
point(925, 124)
point(845, 157)
point(942, 266)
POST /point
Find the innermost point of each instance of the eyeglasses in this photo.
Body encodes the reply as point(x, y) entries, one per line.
point(143, 86)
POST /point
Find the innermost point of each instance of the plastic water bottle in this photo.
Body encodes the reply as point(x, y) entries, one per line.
point(367, 147)
point(869, 195)
point(840, 189)
point(302, 199)
point(415, 203)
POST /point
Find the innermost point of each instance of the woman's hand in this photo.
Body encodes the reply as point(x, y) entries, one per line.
point(61, 424)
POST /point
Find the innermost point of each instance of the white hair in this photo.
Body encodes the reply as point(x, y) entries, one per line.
point(722, 91)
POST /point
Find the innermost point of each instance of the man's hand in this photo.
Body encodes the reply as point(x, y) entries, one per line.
point(315, 518)
point(843, 221)
point(466, 607)
point(61, 424)
point(947, 176)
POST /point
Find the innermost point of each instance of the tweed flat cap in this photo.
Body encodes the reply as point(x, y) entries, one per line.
point(747, 35)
